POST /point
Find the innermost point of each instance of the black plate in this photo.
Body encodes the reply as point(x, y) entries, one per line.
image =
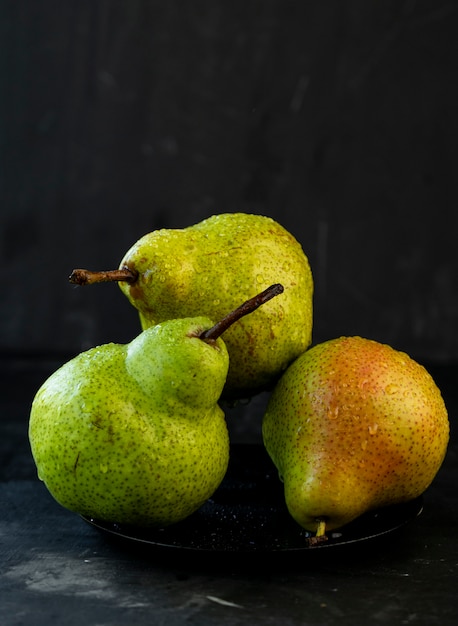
point(248, 514)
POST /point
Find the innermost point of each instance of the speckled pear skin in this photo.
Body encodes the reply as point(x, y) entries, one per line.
point(208, 269)
point(354, 425)
point(133, 433)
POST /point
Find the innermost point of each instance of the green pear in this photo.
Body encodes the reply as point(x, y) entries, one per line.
point(205, 269)
point(133, 433)
point(354, 425)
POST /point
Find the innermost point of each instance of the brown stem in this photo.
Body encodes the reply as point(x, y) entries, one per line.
point(87, 277)
point(247, 307)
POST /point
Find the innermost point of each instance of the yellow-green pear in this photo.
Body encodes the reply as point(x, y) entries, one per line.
point(205, 269)
point(354, 425)
point(133, 433)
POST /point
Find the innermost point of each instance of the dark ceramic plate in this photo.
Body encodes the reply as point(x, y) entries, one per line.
point(248, 514)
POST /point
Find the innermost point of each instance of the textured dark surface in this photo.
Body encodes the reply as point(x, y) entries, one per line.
point(57, 569)
point(336, 118)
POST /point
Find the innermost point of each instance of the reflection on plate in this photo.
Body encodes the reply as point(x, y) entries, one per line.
point(248, 514)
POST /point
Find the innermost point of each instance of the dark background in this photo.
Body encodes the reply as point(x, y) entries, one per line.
point(338, 119)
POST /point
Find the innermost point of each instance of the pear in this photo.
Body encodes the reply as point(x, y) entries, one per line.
point(206, 269)
point(354, 425)
point(133, 433)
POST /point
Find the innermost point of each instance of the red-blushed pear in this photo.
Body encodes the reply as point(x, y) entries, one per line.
point(354, 425)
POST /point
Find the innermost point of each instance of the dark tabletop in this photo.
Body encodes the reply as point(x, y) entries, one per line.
point(58, 569)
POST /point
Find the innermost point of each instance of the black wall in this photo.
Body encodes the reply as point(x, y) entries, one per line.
point(338, 119)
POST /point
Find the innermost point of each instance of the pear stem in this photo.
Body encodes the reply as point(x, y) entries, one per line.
point(244, 309)
point(321, 528)
point(88, 277)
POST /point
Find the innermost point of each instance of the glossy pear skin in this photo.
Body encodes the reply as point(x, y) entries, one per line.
point(208, 269)
point(133, 433)
point(354, 425)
